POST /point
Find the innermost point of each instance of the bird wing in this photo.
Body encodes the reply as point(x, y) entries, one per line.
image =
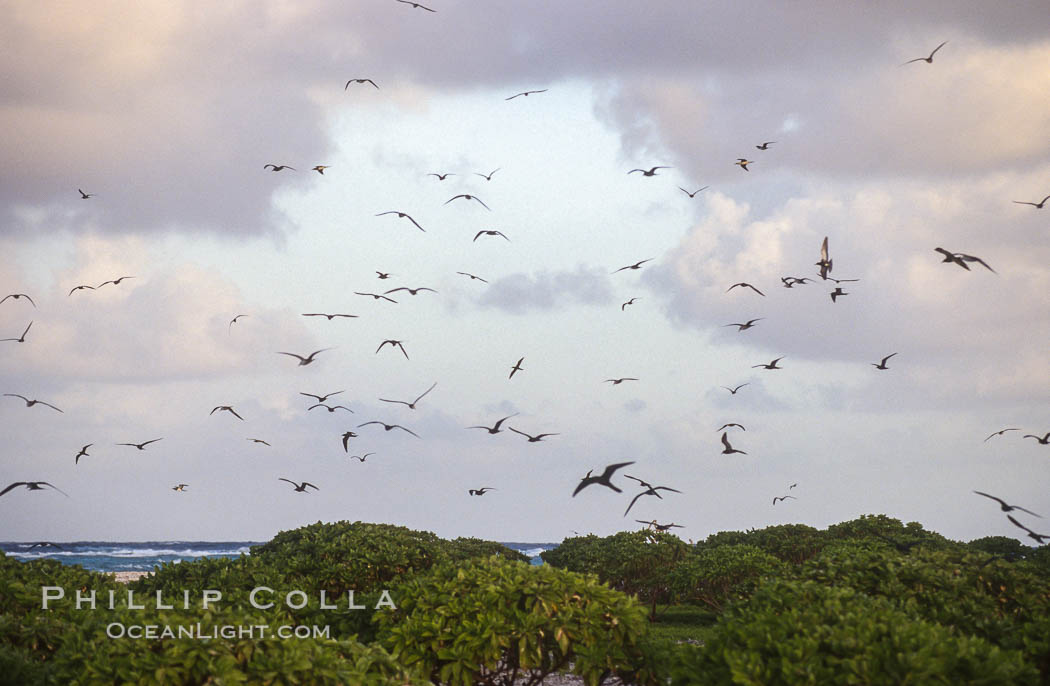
point(633, 501)
point(52, 486)
point(725, 441)
point(14, 485)
point(292, 355)
point(424, 393)
point(611, 469)
point(398, 426)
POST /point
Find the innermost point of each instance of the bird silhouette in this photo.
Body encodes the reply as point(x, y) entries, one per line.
point(83, 453)
point(617, 382)
point(347, 435)
point(472, 277)
point(744, 284)
point(649, 489)
point(141, 446)
point(605, 478)
point(441, 177)
point(1045, 440)
point(728, 449)
point(659, 527)
point(376, 296)
point(783, 497)
point(360, 81)
point(480, 491)
point(693, 194)
point(77, 288)
point(277, 167)
point(526, 94)
point(771, 365)
point(226, 408)
point(382, 275)
point(651, 172)
point(20, 339)
point(411, 405)
point(928, 60)
point(330, 317)
point(320, 398)
point(1039, 538)
point(411, 291)
point(467, 196)
point(746, 325)
point(742, 163)
point(303, 361)
point(330, 408)
point(629, 302)
point(180, 487)
point(393, 344)
point(836, 293)
point(18, 296)
point(115, 282)
point(731, 424)
point(1007, 508)
point(388, 427)
point(31, 403)
point(495, 428)
point(1036, 205)
point(487, 177)
point(402, 215)
point(532, 439)
point(258, 440)
point(234, 321)
point(416, 5)
point(33, 486)
point(516, 368)
point(882, 364)
point(320, 168)
point(765, 146)
point(734, 390)
point(85, 196)
point(361, 458)
point(825, 261)
point(998, 433)
point(636, 265)
point(299, 488)
point(484, 232)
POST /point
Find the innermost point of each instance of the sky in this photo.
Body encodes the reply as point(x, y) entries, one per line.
point(165, 113)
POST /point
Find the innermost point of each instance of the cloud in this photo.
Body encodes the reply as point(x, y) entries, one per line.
point(524, 293)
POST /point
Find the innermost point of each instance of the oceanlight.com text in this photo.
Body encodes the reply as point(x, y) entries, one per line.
point(216, 631)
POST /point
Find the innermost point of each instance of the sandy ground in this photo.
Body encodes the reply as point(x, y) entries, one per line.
point(125, 577)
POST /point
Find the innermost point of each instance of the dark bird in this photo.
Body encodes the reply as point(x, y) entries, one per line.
point(526, 94)
point(1007, 508)
point(320, 168)
point(971, 258)
point(744, 284)
point(728, 449)
point(77, 288)
point(411, 291)
point(30, 403)
point(928, 60)
point(234, 321)
point(416, 5)
point(488, 177)
point(33, 486)
point(1045, 440)
point(532, 439)
point(85, 196)
point(411, 405)
point(472, 277)
point(383, 275)
point(1038, 538)
point(303, 361)
point(330, 408)
point(257, 440)
point(746, 325)
point(882, 365)
point(660, 527)
point(441, 177)
point(765, 146)
point(1036, 205)
point(495, 428)
point(726, 426)
point(388, 427)
point(783, 497)
point(604, 478)
point(480, 491)
point(649, 490)
point(361, 457)
point(226, 408)
point(83, 453)
point(792, 281)
point(771, 365)
point(115, 282)
point(836, 293)
point(16, 296)
point(141, 446)
point(792, 486)
point(376, 296)
point(516, 368)
point(299, 488)
point(320, 398)
point(999, 433)
point(346, 441)
point(636, 265)
point(693, 194)
point(734, 390)
point(360, 81)
point(402, 215)
point(329, 316)
point(651, 172)
point(277, 167)
point(842, 280)
point(629, 302)
point(825, 261)
point(180, 487)
point(742, 163)
point(20, 339)
point(393, 344)
point(484, 232)
point(467, 196)
point(617, 382)
point(951, 257)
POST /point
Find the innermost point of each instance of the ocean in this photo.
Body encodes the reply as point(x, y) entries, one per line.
point(141, 556)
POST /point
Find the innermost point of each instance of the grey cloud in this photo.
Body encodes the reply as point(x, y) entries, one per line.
point(523, 293)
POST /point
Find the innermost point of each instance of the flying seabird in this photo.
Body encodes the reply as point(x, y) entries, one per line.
point(85, 196)
point(360, 81)
point(744, 284)
point(488, 177)
point(771, 365)
point(970, 258)
point(416, 5)
point(729, 450)
point(257, 440)
point(1039, 538)
point(411, 291)
point(480, 491)
point(629, 302)
point(441, 177)
point(467, 196)
point(733, 424)
point(411, 405)
point(1045, 440)
point(495, 428)
point(141, 446)
point(734, 390)
point(83, 453)
point(617, 382)
point(636, 265)
point(649, 490)
point(361, 457)
point(300, 488)
point(882, 365)
point(320, 168)
point(33, 486)
point(526, 94)
point(604, 478)
point(659, 527)
point(277, 167)
point(693, 194)
point(765, 146)
point(836, 293)
point(329, 316)
point(388, 427)
point(376, 296)
point(402, 215)
point(20, 339)
point(532, 439)
point(382, 275)
point(999, 433)
point(783, 497)
point(16, 296)
point(330, 408)
point(746, 325)
point(30, 403)
point(77, 288)
point(393, 344)
point(226, 408)
point(234, 321)
point(346, 441)
point(320, 398)
point(472, 277)
point(516, 368)
point(303, 361)
point(485, 232)
point(1036, 205)
point(180, 487)
point(928, 60)
point(1007, 508)
point(651, 172)
point(115, 282)
point(742, 163)
point(825, 260)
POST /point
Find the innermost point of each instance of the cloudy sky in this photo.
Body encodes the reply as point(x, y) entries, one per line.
point(167, 112)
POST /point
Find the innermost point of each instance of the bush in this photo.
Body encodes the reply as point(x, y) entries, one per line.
point(794, 632)
point(492, 621)
point(714, 576)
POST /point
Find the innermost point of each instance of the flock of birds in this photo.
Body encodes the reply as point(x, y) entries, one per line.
point(822, 274)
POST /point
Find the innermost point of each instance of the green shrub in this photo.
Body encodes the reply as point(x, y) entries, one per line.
point(1005, 547)
point(491, 621)
point(468, 548)
point(793, 632)
point(714, 576)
